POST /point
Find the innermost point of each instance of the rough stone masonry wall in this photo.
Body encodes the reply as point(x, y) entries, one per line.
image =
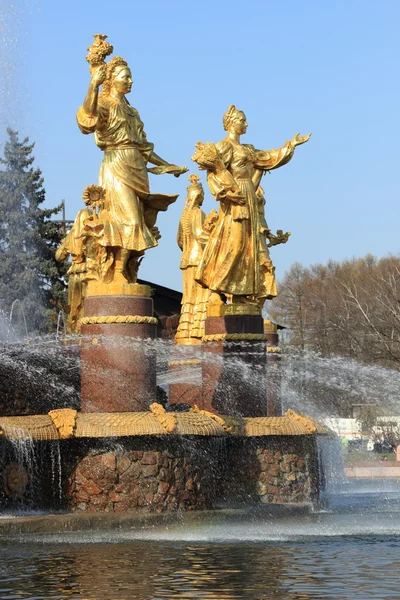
point(141, 476)
point(274, 470)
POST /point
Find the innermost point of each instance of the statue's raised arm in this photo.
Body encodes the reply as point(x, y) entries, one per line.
point(131, 210)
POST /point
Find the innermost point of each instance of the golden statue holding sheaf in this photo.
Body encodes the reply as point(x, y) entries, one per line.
point(90, 260)
point(110, 236)
point(130, 209)
point(236, 262)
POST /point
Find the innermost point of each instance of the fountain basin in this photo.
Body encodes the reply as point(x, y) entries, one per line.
point(158, 462)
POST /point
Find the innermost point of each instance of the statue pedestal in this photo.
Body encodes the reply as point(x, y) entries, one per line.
point(274, 401)
point(118, 367)
point(234, 362)
point(185, 374)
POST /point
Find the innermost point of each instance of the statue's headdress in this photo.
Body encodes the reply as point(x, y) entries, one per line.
point(195, 189)
point(228, 116)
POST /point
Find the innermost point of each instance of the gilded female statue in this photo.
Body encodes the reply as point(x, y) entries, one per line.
point(89, 259)
point(231, 259)
point(267, 281)
point(129, 228)
point(193, 233)
point(74, 245)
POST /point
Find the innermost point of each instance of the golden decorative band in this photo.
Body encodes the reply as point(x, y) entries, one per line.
point(211, 415)
point(188, 341)
point(274, 349)
point(270, 327)
point(235, 337)
point(242, 309)
point(119, 319)
point(230, 310)
point(307, 422)
point(115, 288)
point(190, 361)
point(166, 420)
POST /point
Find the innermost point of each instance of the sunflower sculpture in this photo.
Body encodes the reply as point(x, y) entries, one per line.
point(94, 196)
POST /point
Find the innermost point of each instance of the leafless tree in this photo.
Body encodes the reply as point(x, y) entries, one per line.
point(349, 308)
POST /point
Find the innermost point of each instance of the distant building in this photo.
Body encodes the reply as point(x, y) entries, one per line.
point(167, 308)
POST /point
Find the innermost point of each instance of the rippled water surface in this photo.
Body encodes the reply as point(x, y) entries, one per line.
point(351, 550)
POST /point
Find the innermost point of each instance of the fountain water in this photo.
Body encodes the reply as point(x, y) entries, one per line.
point(61, 323)
point(357, 520)
point(17, 303)
point(45, 376)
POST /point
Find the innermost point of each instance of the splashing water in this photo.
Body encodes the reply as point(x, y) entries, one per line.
point(17, 303)
point(61, 326)
point(320, 387)
point(56, 469)
point(325, 387)
point(38, 376)
point(46, 372)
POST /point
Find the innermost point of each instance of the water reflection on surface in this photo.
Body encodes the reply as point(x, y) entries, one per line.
point(351, 568)
point(351, 550)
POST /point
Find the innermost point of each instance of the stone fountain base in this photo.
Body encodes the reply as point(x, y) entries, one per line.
point(147, 475)
point(160, 462)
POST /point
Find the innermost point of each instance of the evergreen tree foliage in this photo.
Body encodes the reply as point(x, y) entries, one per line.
point(28, 240)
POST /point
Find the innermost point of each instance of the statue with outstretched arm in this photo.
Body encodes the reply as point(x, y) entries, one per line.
point(230, 265)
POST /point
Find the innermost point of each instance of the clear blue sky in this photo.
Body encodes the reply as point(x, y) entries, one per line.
point(326, 67)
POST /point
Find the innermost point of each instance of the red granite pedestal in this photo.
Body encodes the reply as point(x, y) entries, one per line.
point(185, 373)
point(118, 362)
point(274, 401)
point(234, 369)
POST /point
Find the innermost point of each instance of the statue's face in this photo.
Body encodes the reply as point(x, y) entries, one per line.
point(122, 81)
point(200, 200)
point(239, 123)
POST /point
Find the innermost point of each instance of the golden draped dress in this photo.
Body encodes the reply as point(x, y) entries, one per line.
point(235, 249)
point(268, 288)
point(191, 240)
point(75, 245)
point(131, 210)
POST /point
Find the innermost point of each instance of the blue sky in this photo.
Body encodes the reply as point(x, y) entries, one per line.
point(326, 67)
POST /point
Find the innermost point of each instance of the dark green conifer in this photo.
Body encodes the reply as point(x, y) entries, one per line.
point(28, 240)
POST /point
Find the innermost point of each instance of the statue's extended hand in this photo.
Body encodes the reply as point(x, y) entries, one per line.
point(99, 75)
point(172, 169)
point(181, 170)
point(297, 139)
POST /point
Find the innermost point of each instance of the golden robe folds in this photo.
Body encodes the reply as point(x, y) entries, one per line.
point(231, 259)
point(191, 239)
point(119, 132)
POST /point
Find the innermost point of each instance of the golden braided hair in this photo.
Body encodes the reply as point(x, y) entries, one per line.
point(112, 66)
point(228, 116)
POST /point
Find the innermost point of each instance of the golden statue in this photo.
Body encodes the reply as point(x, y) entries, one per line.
point(267, 270)
point(232, 256)
point(128, 228)
point(193, 233)
point(89, 259)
